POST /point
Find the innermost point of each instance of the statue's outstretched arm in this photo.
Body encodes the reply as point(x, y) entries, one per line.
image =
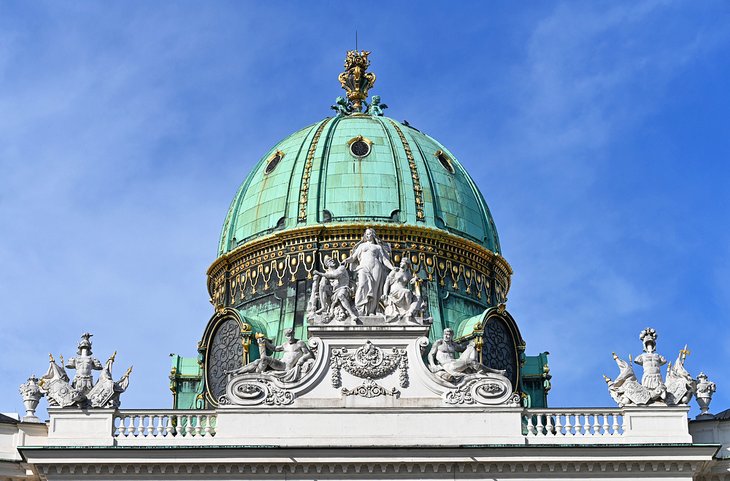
point(96, 364)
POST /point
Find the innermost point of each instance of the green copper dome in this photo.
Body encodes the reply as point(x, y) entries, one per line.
point(358, 168)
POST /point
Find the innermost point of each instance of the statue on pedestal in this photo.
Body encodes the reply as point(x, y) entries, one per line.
point(401, 294)
point(371, 260)
point(297, 359)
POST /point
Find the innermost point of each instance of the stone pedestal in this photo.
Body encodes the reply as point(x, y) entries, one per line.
point(80, 427)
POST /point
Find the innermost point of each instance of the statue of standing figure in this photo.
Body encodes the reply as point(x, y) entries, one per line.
point(651, 362)
point(371, 260)
point(401, 294)
point(84, 364)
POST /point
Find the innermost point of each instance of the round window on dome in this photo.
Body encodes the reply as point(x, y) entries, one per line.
point(445, 161)
point(360, 146)
point(273, 161)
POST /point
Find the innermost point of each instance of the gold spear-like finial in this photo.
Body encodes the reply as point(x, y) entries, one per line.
point(683, 353)
point(355, 80)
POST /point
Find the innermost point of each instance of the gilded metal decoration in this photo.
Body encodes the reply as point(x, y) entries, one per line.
point(441, 257)
point(417, 189)
point(304, 195)
point(360, 146)
point(355, 80)
point(273, 161)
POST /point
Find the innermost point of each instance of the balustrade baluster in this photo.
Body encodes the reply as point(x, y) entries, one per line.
point(606, 427)
point(189, 426)
point(133, 425)
point(208, 430)
point(616, 426)
point(198, 427)
point(549, 427)
point(559, 424)
point(540, 426)
point(586, 425)
point(596, 425)
point(568, 424)
point(152, 426)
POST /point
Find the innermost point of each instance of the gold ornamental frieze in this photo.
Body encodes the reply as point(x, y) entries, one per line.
point(280, 259)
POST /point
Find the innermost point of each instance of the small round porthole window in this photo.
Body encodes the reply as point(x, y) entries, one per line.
point(360, 147)
point(445, 161)
point(273, 161)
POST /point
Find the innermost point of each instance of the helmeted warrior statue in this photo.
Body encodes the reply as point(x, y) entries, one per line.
point(84, 364)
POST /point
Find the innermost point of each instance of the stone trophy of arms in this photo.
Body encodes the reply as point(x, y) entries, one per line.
point(626, 389)
point(270, 380)
point(83, 392)
point(467, 380)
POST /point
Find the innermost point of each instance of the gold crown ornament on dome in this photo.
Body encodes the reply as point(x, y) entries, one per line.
point(355, 80)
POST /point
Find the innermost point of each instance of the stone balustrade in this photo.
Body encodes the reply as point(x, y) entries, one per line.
point(573, 423)
point(167, 423)
point(292, 427)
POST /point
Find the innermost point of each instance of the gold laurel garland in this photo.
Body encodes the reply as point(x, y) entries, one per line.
point(417, 189)
point(304, 195)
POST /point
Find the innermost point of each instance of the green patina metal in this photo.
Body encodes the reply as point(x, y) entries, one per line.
point(341, 187)
point(536, 380)
point(186, 382)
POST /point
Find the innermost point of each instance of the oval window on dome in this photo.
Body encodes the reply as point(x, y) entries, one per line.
point(360, 146)
point(273, 161)
point(445, 161)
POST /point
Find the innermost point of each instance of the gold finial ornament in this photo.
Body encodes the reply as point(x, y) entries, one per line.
point(355, 80)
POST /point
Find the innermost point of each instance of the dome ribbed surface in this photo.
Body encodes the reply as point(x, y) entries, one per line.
point(319, 180)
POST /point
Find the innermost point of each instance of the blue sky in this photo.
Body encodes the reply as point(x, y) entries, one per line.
point(598, 133)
